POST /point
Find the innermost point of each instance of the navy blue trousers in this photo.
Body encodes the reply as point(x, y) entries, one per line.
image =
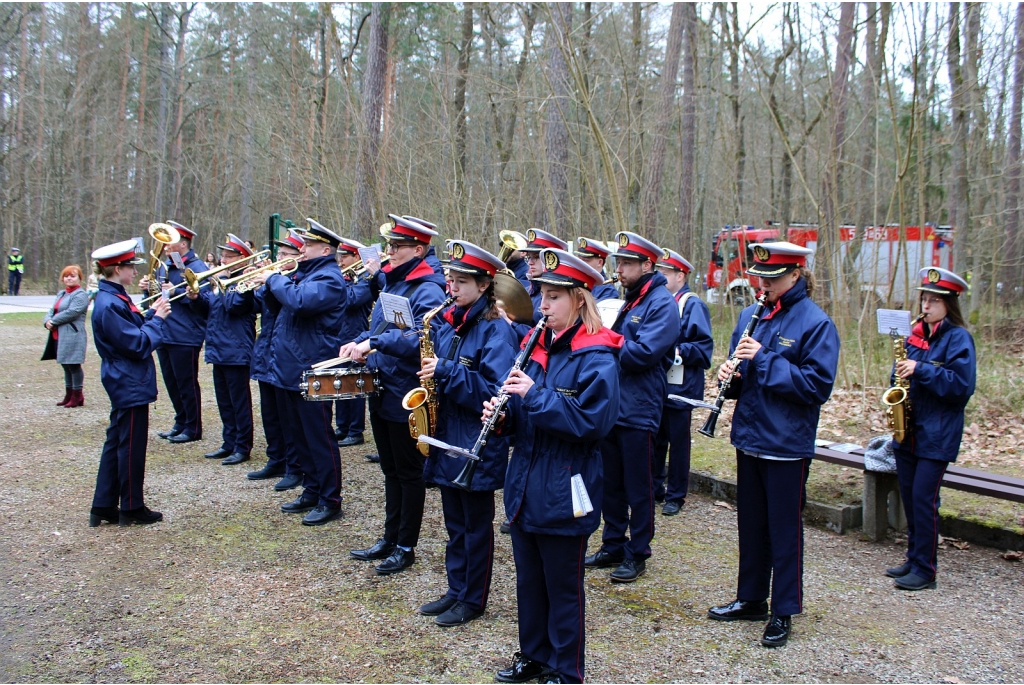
point(179, 365)
point(350, 416)
point(469, 554)
point(234, 402)
point(551, 600)
point(13, 282)
point(287, 457)
point(628, 492)
point(123, 460)
point(769, 510)
point(920, 479)
point(404, 489)
point(310, 426)
point(673, 434)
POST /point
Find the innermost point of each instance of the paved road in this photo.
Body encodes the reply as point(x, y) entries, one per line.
point(31, 303)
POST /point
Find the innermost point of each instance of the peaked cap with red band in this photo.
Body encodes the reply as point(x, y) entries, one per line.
point(350, 246)
point(537, 240)
point(635, 246)
point(468, 258)
point(293, 240)
point(567, 270)
point(673, 261)
point(320, 233)
point(941, 281)
point(775, 259)
point(403, 230)
point(236, 244)
point(117, 254)
point(429, 224)
point(186, 232)
point(587, 247)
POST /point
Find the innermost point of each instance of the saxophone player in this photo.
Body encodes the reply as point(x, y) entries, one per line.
point(397, 359)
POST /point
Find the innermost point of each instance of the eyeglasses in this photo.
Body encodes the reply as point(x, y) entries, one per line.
point(395, 247)
point(929, 299)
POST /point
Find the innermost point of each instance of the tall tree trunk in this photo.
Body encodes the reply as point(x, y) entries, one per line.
point(737, 113)
point(140, 158)
point(248, 156)
point(959, 208)
point(635, 124)
point(160, 207)
point(689, 131)
point(664, 117)
point(364, 209)
point(179, 108)
point(556, 132)
point(462, 76)
point(1012, 273)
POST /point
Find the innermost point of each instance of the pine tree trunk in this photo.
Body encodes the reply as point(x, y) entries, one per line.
point(689, 128)
point(363, 211)
point(1012, 273)
point(556, 132)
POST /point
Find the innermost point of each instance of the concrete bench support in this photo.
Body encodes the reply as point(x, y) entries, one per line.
point(882, 505)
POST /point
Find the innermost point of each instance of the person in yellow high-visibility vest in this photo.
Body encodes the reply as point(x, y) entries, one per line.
point(15, 268)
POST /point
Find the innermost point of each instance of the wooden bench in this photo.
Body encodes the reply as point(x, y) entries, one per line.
point(881, 502)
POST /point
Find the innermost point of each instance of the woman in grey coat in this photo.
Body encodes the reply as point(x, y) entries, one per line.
point(66, 323)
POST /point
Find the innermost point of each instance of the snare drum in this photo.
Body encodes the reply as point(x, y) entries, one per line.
point(322, 385)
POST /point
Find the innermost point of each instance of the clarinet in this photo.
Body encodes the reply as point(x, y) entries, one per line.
point(465, 478)
point(708, 428)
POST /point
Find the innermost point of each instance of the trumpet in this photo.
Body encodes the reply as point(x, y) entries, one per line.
point(613, 279)
point(511, 242)
point(245, 283)
point(357, 270)
point(195, 281)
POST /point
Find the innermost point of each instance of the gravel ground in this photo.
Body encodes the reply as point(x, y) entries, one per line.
point(227, 588)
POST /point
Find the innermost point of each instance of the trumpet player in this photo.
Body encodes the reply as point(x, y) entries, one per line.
point(230, 335)
point(184, 333)
point(397, 358)
point(788, 365)
point(475, 349)
point(940, 364)
point(350, 415)
point(306, 332)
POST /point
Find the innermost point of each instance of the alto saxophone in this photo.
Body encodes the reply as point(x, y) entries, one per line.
point(897, 398)
point(422, 401)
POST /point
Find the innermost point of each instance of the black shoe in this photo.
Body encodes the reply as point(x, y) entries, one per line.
point(264, 473)
point(437, 607)
point(184, 437)
point(520, 670)
point(289, 482)
point(340, 433)
point(459, 613)
point(738, 610)
point(98, 514)
point(381, 549)
point(912, 581)
point(776, 633)
point(659, 496)
point(375, 458)
point(168, 434)
point(897, 571)
point(321, 515)
point(505, 528)
point(236, 458)
point(218, 453)
point(397, 562)
point(671, 508)
point(142, 516)
point(351, 440)
point(629, 570)
point(298, 506)
point(603, 559)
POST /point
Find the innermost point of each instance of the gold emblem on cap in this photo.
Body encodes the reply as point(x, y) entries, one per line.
point(934, 276)
point(458, 251)
point(761, 254)
point(531, 235)
point(623, 240)
point(583, 243)
point(665, 254)
point(550, 261)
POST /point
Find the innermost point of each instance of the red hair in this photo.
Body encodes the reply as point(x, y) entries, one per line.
point(72, 269)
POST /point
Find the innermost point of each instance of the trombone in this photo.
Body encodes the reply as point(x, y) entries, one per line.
point(194, 281)
point(244, 283)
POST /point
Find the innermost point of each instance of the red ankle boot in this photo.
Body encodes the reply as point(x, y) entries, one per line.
point(67, 397)
point(77, 399)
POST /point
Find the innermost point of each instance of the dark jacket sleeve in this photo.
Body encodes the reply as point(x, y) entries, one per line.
point(810, 381)
point(469, 388)
point(696, 344)
point(657, 335)
point(306, 298)
point(584, 417)
point(126, 337)
point(955, 378)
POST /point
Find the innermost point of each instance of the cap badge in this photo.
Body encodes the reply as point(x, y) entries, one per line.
point(623, 240)
point(583, 243)
point(458, 252)
point(531, 235)
point(665, 254)
point(761, 254)
point(934, 276)
point(550, 261)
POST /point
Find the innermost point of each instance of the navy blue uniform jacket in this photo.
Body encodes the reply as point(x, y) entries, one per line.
point(605, 291)
point(260, 368)
point(782, 388)
point(397, 355)
point(695, 346)
point(358, 303)
point(558, 425)
point(474, 357)
point(306, 330)
point(523, 329)
point(519, 269)
point(942, 383)
point(230, 326)
point(186, 324)
point(125, 342)
point(649, 325)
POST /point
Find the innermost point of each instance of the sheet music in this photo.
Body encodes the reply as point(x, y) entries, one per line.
point(889, 319)
point(371, 252)
point(176, 259)
point(397, 310)
point(140, 247)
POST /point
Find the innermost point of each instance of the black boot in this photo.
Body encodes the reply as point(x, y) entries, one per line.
point(99, 514)
point(142, 516)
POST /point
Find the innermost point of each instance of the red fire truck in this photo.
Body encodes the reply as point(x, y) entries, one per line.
point(882, 263)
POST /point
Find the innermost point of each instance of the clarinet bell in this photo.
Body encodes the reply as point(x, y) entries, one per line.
point(464, 481)
point(708, 428)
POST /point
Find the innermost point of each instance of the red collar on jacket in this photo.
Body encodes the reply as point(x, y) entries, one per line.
point(581, 341)
point(919, 337)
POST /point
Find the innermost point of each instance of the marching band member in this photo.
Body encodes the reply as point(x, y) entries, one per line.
point(595, 254)
point(125, 342)
point(306, 332)
point(563, 402)
point(182, 342)
point(516, 263)
point(649, 324)
point(230, 336)
point(476, 349)
point(282, 454)
point(941, 366)
point(397, 358)
point(686, 379)
point(350, 415)
point(788, 365)
point(536, 240)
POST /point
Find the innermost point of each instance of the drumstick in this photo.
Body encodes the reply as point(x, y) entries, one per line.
point(335, 361)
